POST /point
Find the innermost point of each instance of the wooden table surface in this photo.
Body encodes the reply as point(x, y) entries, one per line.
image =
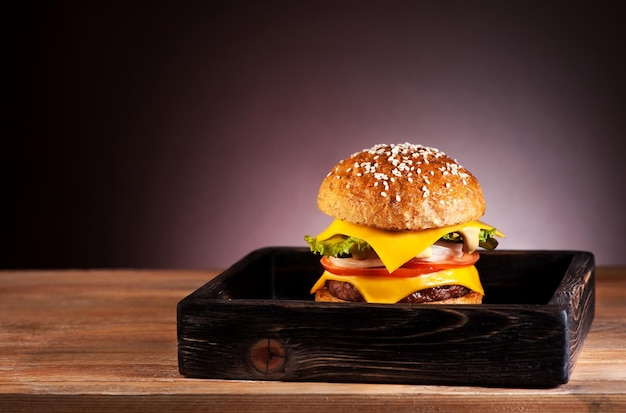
point(105, 340)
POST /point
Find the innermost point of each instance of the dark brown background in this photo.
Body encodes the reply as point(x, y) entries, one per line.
point(187, 134)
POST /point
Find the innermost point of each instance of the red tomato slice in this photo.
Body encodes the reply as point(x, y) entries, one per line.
point(412, 268)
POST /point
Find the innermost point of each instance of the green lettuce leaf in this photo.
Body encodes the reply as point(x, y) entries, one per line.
point(339, 246)
point(487, 239)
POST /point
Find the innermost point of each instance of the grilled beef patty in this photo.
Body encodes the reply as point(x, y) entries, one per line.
point(348, 292)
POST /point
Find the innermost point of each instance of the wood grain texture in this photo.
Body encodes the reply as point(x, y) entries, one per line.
point(106, 341)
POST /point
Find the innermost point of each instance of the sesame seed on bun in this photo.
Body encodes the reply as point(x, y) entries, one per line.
point(401, 187)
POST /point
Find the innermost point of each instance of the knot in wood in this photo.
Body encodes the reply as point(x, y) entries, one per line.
point(268, 356)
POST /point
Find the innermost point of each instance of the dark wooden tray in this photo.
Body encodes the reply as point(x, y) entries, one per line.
point(257, 321)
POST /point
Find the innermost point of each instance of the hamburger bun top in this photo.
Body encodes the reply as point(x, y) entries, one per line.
point(401, 187)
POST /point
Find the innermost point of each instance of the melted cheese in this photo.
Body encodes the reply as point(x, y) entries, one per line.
point(390, 290)
point(395, 247)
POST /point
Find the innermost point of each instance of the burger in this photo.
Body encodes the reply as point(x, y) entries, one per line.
point(405, 229)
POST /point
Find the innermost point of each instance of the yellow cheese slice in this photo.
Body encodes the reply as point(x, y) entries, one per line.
point(394, 248)
point(390, 290)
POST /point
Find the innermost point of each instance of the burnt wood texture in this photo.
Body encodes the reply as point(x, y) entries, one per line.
point(257, 321)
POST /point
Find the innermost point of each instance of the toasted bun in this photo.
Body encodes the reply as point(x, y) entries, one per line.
point(324, 295)
point(401, 187)
point(472, 298)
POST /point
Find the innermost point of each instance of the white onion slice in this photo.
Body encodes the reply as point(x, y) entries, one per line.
point(442, 251)
point(354, 263)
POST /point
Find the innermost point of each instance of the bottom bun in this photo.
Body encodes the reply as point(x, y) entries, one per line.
point(472, 298)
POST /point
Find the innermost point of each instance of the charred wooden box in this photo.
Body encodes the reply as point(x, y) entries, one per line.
point(257, 321)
